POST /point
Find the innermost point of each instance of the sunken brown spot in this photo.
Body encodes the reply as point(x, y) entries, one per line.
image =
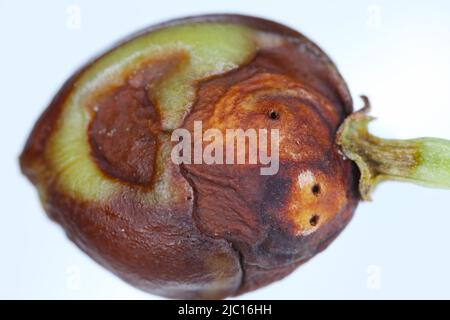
point(123, 136)
point(124, 131)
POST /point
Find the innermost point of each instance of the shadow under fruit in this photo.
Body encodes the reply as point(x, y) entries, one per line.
point(100, 157)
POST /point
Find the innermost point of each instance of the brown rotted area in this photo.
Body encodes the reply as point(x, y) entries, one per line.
point(124, 136)
point(231, 230)
point(253, 211)
point(126, 125)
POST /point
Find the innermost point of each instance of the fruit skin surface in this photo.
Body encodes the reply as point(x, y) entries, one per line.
point(100, 157)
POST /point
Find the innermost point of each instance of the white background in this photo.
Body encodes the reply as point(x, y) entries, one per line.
point(396, 52)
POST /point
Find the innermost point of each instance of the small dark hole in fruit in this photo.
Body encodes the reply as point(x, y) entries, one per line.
point(315, 189)
point(314, 220)
point(189, 198)
point(274, 115)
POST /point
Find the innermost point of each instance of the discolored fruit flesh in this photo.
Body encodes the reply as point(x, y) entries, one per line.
point(100, 157)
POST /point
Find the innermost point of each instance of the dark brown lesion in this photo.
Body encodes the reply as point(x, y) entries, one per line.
point(123, 136)
point(126, 126)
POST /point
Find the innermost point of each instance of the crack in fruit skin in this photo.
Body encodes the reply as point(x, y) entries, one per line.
point(100, 157)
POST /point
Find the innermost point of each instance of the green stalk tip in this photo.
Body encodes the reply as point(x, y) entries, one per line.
point(424, 161)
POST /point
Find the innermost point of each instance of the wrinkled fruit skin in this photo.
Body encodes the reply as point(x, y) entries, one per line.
point(100, 157)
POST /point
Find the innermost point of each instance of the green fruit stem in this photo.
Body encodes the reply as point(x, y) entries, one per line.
point(424, 161)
